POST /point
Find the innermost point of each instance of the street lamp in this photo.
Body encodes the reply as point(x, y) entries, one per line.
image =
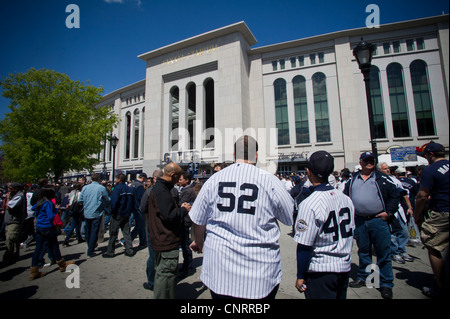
point(114, 140)
point(363, 53)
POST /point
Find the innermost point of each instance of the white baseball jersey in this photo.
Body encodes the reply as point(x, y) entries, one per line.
point(326, 222)
point(240, 206)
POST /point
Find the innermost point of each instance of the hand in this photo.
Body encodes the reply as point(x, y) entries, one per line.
point(383, 216)
point(300, 285)
point(410, 212)
point(195, 247)
point(187, 206)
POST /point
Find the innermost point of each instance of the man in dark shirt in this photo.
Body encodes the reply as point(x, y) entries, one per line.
point(434, 224)
point(165, 222)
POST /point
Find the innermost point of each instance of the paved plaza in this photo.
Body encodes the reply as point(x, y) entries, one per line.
point(122, 276)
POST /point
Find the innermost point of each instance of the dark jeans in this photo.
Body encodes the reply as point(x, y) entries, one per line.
point(187, 252)
point(272, 294)
point(325, 285)
point(122, 222)
point(92, 227)
point(49, 236)
point(76, 225)
point(150, 268)
point(139, 228)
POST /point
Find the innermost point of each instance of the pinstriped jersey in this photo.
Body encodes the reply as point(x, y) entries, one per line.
point(240, 206)
point(325, 221)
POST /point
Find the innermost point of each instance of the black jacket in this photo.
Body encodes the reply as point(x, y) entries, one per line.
point(387, 191)
point(165, 218)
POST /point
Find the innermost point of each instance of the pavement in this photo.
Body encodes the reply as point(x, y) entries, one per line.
point(122, 277)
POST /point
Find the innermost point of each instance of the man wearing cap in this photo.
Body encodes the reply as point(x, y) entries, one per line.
point(434, 222)
point(376, 200)
point(324, 233)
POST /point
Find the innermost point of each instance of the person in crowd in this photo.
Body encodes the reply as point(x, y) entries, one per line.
point(376, 200)
point(137, 215)
point(165, 220)
point(46, 233)
point(94, 197)
point(75, 211)
point(400, 235)
point(187, 195)
point(324, 233)
point(122, 205)
point(150, 264)
point(434, 223)
point(239, 207)
point(15, 215)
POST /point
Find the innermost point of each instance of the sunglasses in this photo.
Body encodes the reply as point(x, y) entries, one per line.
point(369, 161)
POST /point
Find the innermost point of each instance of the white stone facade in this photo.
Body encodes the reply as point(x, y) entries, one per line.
point(218, 75)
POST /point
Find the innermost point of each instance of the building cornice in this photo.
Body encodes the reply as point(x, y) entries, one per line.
point(239, 27)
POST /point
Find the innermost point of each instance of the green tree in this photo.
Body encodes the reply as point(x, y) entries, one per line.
point(54, 125)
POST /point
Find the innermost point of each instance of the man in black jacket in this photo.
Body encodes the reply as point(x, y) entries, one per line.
point(165, 221)
point(376, 200)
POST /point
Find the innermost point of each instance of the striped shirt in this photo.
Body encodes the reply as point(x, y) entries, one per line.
point(240, 206)
point(325, 222)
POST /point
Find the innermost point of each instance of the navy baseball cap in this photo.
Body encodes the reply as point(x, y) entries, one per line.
point(366, 155)
point(321, 164)
point(432, 147)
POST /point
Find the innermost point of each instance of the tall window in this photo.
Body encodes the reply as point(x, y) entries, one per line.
point(377, 102)
point(191, 89)
point(127, 135)
point(397, 98)
point(142, 133)
point(321, 107)
point(281, 111)
point(175, 114)
point(422, 98)
point(301, 110)
point(136, 134)
point(209, 109)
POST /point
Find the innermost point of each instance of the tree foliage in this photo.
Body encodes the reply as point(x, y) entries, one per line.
point(54, 125)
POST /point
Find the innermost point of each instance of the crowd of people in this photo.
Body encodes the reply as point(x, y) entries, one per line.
point(375, 205)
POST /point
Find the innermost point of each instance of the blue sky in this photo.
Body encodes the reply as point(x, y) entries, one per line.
point(113, 33)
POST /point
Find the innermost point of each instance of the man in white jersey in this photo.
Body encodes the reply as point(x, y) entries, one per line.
point(239, 207)
point(324, 233)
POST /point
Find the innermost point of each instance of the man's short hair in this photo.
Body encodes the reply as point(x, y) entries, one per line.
point(245, 148)
point(95, 177)
point(186, 175)
point(121, 178)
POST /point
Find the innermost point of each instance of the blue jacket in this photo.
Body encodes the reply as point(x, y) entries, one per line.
point(45, 214)
point(122, 200)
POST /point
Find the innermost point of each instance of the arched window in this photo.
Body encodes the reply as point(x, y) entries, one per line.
point(192, 100)
point(175, 114)
point(322, 116)
point(399, 110)
point(377, 102)
point(136, 134)
point(301, 110)
point(209, 108)
point(281, 111)
point(422, 98)
point(127, 135)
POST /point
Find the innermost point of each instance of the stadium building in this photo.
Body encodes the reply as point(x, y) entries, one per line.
point(200, 94)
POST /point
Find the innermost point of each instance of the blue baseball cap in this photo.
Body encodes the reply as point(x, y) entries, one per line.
point(366, 155)
point(432, 147)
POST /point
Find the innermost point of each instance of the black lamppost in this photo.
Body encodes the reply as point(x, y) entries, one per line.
point(114, 140)
point(363, 53)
